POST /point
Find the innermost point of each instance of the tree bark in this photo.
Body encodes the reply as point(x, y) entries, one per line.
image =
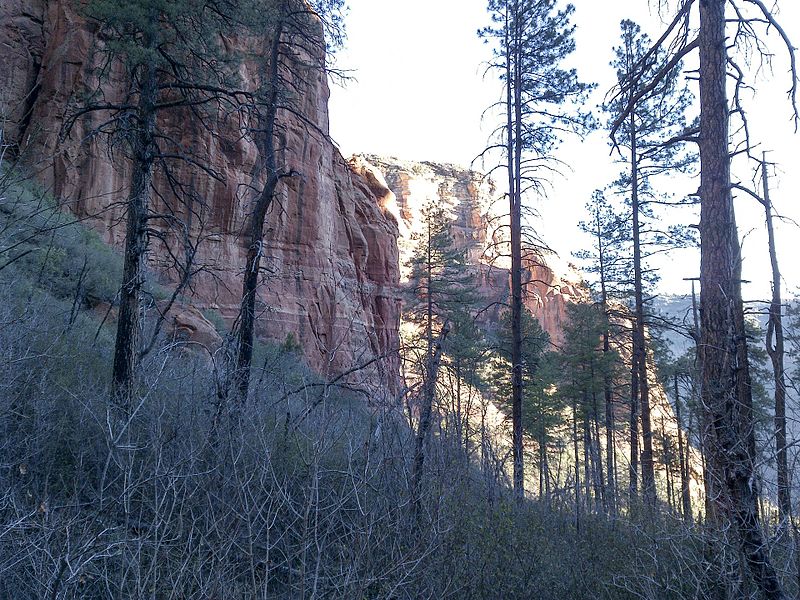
point(247, 316)
point(129, 324)
point(514, 150)
point(775, 349)
point(723, 346)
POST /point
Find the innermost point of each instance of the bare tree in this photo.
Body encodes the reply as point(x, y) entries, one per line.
point(775, 349)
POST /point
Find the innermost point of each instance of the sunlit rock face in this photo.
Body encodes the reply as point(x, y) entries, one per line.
point(331, 267)
point(479, 227)
point(466, 195)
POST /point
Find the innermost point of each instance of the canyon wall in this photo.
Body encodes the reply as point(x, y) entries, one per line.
point(478, 214)
point(330, 253)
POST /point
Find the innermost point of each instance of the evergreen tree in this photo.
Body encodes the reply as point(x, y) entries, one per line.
point(465, 350)
point(678, 378)
point(544, 412)
point(726, 392)
point(584, 368)
point(531, 40)
point(652, 136)
point(441, 292)
point(540, 410)
point(171, 56)
point(608, 260)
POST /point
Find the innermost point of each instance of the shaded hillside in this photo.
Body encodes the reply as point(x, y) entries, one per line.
point(196, 500)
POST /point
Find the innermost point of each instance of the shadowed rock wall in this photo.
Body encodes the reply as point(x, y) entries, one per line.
point(330, 256)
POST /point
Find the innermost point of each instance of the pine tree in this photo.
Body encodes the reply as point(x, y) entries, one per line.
point(584, 369)
point(608, 261)
point(171, 56)
point(465, 350)
point(726, 391)
point(653, 136)
point(544, 412)
point(531, 40)
point(441, 292)
point(678, 378)
point(540, 409)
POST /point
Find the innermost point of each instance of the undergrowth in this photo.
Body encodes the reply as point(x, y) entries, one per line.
point(289, 496)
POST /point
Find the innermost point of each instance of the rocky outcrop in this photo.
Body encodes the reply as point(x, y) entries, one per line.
point(477, 227)
point(330, 254)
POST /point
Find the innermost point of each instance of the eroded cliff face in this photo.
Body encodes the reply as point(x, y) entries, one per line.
point(330, 249)
point(478, 219)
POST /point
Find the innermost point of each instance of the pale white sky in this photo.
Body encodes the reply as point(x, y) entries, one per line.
point(420, 94)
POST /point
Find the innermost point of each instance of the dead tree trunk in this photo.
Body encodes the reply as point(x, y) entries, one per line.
point(775, 350)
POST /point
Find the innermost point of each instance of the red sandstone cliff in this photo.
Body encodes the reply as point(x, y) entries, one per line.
point(331, 257)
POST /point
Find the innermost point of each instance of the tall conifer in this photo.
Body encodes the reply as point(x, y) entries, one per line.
point(531, 39)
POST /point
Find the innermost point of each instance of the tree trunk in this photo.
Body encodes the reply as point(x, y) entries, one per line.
point(611, 479)
point(710, 486)
point(598, 453)
point(723, 348)
point(775, 349)
point(633, 482)
point(611, 492)
point(682, 459)
point(544, 492)
point(129, 324)
point(639, 351)
point(587, 462)
point(247, 316)
point(460, 436)
point(514, 107)
point(577, 465)
point(426, 411)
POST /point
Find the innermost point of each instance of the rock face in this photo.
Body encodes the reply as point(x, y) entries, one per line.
point(478, 218)
point(330, 250)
